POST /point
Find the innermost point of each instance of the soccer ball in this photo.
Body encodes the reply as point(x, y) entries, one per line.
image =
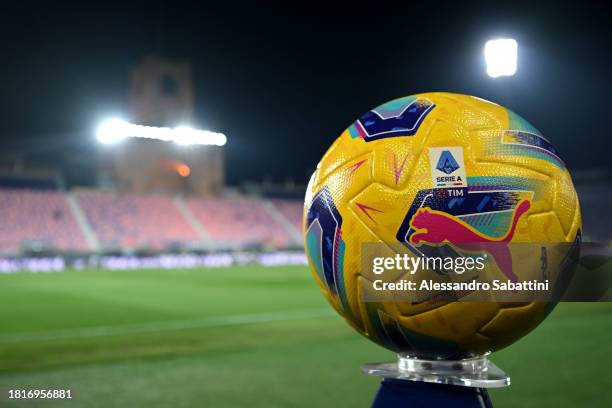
point(376, 182)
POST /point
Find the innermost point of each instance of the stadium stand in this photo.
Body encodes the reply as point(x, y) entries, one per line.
point(242, 220)
point(38, 219)
point(35, 219)
point(292, 210)
point(131, 221)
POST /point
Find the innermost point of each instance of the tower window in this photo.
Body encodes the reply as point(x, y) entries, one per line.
point(169, 85)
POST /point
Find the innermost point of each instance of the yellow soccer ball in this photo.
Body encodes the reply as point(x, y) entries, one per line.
point(394, 168)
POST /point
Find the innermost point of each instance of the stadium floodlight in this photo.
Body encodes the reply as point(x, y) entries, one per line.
point(115, 130)
point(185, 135)
point(111, 131)
point(501, 56)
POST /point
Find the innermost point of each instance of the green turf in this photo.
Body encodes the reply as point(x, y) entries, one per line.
point(179, 338)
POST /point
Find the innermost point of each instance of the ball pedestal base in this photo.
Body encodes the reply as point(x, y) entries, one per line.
point(478, 372)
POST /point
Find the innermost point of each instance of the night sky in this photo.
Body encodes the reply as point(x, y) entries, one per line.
point(283, 85)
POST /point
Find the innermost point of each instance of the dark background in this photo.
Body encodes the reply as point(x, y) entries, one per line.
point(283, 84)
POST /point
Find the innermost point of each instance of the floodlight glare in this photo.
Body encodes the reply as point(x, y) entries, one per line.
point(111, 131)
point(184, 135)
point(500, 56)
point(115, 130)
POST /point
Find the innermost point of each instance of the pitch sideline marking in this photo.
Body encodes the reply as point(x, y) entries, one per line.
point(217, 321)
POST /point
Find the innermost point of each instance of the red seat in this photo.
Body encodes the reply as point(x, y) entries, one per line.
point(238, 219)
point(38, 216)
point(133, 220)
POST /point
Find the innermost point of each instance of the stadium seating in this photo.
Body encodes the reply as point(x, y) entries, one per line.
point(134, 221)
point(44, 219)
point(239, 220)
point(38, 218)
point(291, 210)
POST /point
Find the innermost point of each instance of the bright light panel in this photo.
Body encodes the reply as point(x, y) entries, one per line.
point(115, 130)
point(500, 56)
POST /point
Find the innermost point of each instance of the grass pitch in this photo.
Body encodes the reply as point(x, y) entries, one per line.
point(246, 337)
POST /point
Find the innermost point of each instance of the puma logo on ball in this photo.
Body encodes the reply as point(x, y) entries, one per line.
point(437, 227)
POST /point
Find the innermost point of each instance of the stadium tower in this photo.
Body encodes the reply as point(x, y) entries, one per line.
point(161, 95)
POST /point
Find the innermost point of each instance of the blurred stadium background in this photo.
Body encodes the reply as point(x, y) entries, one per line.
point(161, 284)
